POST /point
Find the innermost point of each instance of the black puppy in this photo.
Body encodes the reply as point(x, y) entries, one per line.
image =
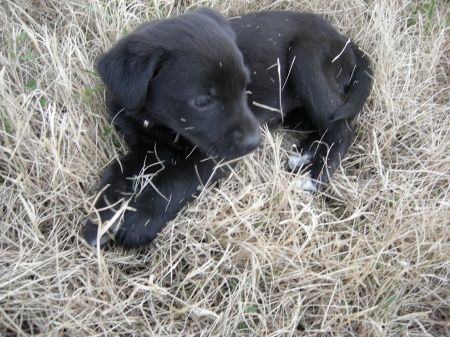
point(192, 91)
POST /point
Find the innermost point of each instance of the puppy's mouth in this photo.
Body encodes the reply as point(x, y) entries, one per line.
point(233, 145)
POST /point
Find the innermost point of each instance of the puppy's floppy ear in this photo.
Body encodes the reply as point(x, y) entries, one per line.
point(127, 68)
point(219, 19)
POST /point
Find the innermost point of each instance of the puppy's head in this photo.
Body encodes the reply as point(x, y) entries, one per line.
point(188, 74)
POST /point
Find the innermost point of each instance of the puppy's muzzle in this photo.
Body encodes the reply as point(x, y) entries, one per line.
point(246, 143)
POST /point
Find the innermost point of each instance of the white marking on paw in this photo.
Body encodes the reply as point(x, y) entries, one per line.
point(296, 161)
point(306, 185)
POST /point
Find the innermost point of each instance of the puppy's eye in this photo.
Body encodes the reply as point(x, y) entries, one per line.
point(202, 102)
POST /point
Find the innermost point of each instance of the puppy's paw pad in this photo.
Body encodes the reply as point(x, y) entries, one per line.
point(306, 184)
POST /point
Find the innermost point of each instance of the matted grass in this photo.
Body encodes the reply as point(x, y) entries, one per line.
point(366, 256)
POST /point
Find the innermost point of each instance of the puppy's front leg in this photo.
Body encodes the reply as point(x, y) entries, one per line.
point(116, 187)
point(162, 198)
point(155, 186)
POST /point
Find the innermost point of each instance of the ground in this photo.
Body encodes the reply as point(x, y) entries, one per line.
point(366, 256)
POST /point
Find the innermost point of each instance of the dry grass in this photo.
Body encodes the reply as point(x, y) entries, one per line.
point(367, 256)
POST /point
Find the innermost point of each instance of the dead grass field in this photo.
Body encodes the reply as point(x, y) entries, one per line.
point(366, 256)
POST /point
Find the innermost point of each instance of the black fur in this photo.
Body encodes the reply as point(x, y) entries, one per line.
point(191, 91)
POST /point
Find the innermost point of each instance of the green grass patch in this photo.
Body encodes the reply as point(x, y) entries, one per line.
point(31, 85)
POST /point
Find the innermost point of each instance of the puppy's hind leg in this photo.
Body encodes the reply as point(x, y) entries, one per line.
point(320, 156)
point(321, 152)
point(332, 93)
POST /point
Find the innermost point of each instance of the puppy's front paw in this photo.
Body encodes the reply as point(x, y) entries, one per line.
point(306, 184)
point(298, 161)
point(138, 229)
point(128, 227)
point(110, 206)
point(90, 234)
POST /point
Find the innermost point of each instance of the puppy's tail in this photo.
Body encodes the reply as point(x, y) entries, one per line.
point(359, 88)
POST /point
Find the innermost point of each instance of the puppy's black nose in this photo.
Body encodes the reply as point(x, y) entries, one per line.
point(247, 142)
point(252, 142)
